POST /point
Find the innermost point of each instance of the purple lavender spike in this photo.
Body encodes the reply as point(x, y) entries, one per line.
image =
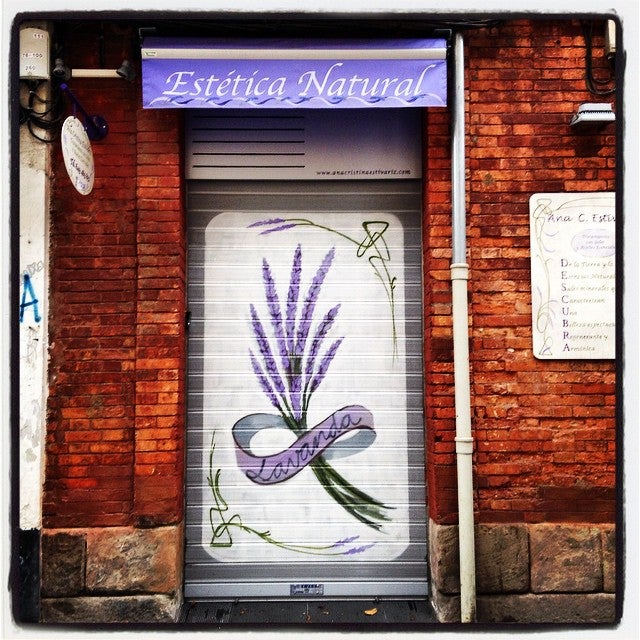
point(320, 334)
point(324, 365)
point(292, 298)
point(341, 543)
point(265, 350)
point(280, 228)
point(264, 223)
point(310, 302)
point(354, 550)
point(296, 396)
point(264, 383)
point(273, 303)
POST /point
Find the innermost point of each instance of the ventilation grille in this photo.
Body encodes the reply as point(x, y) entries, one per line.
point(277, 144)
point(243, 144)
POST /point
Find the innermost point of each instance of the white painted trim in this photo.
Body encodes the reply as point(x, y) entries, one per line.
point(231, 53)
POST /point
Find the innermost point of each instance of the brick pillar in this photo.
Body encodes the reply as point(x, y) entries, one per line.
point(112, 509)
point(90, 409)
point(160, 322)
point(438, 342)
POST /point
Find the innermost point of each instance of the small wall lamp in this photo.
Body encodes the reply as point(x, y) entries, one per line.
point(60, 71)
point(593, 114)
point(126, 71)
point(95, 126)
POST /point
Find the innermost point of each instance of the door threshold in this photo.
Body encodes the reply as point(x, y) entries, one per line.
point(304, 612)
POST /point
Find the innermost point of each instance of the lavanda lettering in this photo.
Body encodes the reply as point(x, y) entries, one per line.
point(344, 87)
point(184, 83)
point(300, 456)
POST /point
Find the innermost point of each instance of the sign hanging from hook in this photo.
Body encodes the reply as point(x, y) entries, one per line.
point(95, 126)
point(78, 155)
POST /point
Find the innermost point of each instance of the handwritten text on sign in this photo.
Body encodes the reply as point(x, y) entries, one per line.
point(78, 156)
point(573, 275)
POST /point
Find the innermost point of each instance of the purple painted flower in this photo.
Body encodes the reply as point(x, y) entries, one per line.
point(292, 298)
point(290, 382)
point(274, 311)
point(264, 223)
point(294, 378)
point(310, 302)
point(282, 227)
point(264, 383)
point(324, 366)
point(276, 224)
point(354, 550)
point(345, 541)
point(316, 342)
point(267, 356)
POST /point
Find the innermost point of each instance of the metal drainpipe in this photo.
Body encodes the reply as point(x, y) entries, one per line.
point(460, 311)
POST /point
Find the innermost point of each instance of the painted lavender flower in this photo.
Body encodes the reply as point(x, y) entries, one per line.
point(225, 524)
point(293, 364)
point(371, 246)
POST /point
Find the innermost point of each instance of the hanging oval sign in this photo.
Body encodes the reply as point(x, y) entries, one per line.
point(78, 155)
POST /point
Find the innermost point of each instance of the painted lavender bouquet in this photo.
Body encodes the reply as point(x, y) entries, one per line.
point(291, 371)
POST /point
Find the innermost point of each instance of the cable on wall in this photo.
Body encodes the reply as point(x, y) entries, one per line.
point(39, 113)
point(595, 85)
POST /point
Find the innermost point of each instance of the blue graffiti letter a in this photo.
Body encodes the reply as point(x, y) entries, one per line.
point(27, 288)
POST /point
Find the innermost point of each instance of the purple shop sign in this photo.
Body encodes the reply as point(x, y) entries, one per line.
point(196, 74)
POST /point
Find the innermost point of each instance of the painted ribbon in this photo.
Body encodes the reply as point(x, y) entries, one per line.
point(343, 433)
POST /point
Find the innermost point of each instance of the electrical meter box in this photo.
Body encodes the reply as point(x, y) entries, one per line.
point(34, 54)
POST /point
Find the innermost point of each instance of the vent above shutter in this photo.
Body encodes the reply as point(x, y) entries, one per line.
point(303, 144)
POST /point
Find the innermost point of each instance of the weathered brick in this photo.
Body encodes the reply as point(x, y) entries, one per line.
point(63, 564)
point(505, 160)
point(133, 560)
point(565, 558)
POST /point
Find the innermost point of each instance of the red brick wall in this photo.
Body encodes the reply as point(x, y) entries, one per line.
point(544, 430)
point(114, 451)
point(160, 321)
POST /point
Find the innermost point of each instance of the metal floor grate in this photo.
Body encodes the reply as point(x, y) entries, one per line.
point(350, 612)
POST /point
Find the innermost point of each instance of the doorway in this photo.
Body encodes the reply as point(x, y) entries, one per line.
point(305, 445)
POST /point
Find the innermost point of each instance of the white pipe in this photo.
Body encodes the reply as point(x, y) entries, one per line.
point(460, 317)
point(464, 441)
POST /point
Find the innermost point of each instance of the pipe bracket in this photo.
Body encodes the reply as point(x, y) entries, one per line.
point(459, 271)
point(464, 445)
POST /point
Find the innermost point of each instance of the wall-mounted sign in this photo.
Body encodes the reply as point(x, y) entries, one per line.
point(78, 155)
point(573, 275)
point(202, 73)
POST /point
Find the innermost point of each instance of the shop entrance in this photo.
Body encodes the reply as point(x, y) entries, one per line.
point(305, 463)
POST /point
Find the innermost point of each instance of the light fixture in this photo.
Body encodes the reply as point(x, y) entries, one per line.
point(64, 73)
point(95, 126)
point(126, 71)
point(60, 71)
point(593, 115)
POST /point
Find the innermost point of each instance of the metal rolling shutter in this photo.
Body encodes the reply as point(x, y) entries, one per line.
point(260, 531)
